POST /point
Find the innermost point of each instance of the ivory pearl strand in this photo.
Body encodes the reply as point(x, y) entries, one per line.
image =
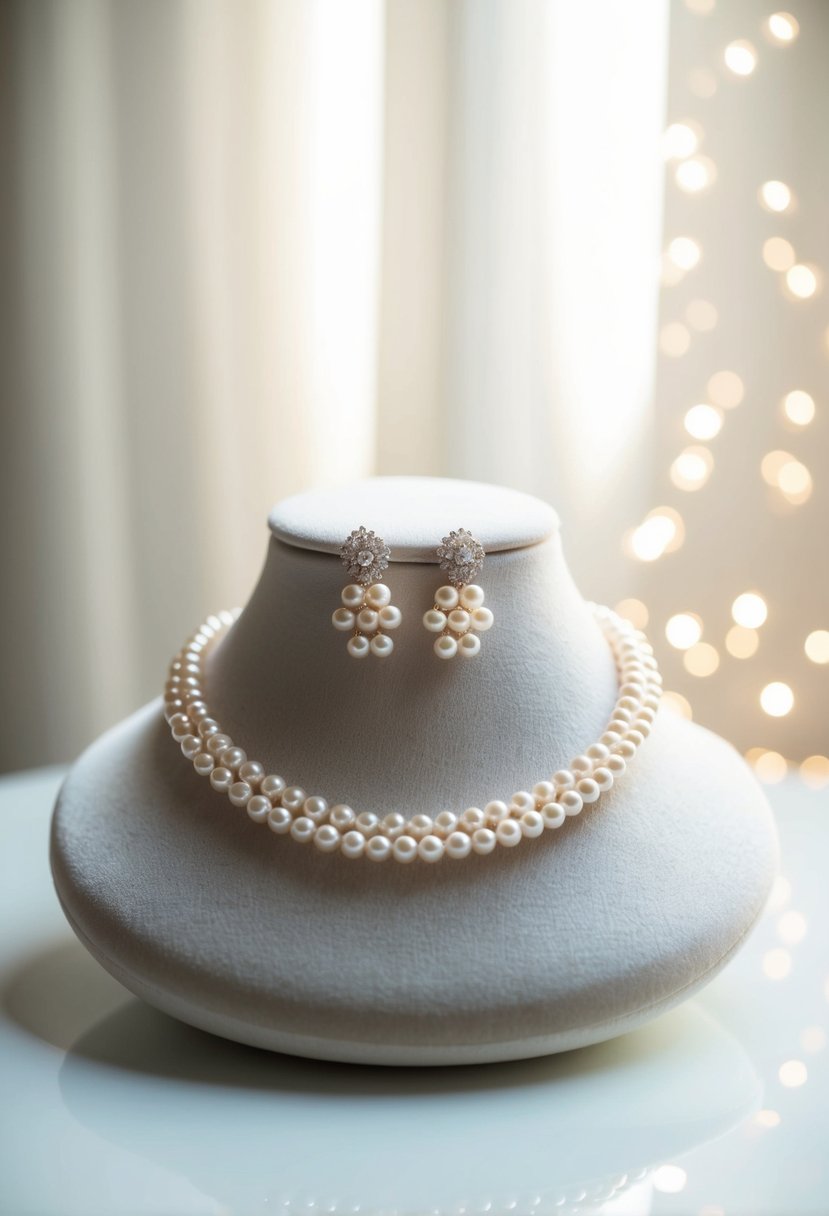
point(289, 810)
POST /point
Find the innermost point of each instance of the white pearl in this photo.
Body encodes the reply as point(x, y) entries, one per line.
point(580, 765)
point(353, 844)
point(469, 645)
point(544, 792)
point(597, 751)
point(405, 848)
point(472, 596)
point(367, 823)
point(553, 815)
point(217, 743)
point(603, 778)
point(431, 848)
point(378, 595)
point(496, 811)
point(473, 817)
point(392, 825)
point(446, 647)
point(572, 802)
point(522, 801)
point(240, 793)
point(272, 785)
point(172, 706)
point(447, 598)
point(378, 848)
point(625, 749)
point(368, 620)
point(564, 779)
point(358, 646)
point(293, 798)
point(327, 838)
point(420, 826)
point(259, 807)
point(342, 816)
point(616, 765)
point(434, 621)
point(203, 763)
point(635, 737)
point(207, 727)
point(315, 809)
point(630, 703)
point(508, 832)
point(588, 789)
point(483, 840)
point(482, 619)
point(280, 820)
point(609, 738)
point(191, 745)
point(232, 757)
point(181, 726)
point(221, 779)
point(353, 596)
point(303, 829)
point(445, 822)
point(390, 617)
point(532, 824)
point(196, 710)
point(252, 772)
point(343, 619)
point(458, 620)
point(382, 646)
point(458, 845)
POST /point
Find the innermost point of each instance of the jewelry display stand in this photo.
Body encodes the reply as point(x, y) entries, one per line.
point(571, 938)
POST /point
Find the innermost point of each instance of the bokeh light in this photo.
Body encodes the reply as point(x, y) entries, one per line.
point(740, 57)
point(799, 407)
point(681, 139)
point(771, 768)
point(814, 772)
point(669, 1179)
point(684, 252)
point(703, 421)
point(792, 927)
point(702, 83)
point(813, 1038)
point(675, 703)
point(726, 389)
point(749, 609)
point(701, 315)
point(777, 699)
point(674, 339)
point(816, 646)
point(701, 659)
point(692, 468)
point(701, 7)
point(795, 482)
point(793, 1074)
point(662, 531)
point(696, 174)
point(633, 610)
point(802, 281)
point(684, 629)
point(777, 963)
point(781, 28)
point(767, 1118)
point(775, 196)
point(778, 253)
point(742, 643)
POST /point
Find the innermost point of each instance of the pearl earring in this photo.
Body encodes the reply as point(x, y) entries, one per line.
point(458, 614)
point(367, 611)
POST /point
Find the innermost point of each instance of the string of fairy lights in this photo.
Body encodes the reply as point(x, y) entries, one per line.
point(789, 480)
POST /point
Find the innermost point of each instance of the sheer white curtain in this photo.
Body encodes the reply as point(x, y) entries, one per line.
point(256, 247)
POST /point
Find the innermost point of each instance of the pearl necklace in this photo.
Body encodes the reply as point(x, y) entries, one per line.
point(289, 810)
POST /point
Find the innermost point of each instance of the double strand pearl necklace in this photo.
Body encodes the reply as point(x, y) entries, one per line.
point(289, 810)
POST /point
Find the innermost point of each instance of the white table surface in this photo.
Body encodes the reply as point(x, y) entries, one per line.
point(109, 1107)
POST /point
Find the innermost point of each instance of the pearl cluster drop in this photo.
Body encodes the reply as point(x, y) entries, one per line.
point(366, 613)
point(458, 616)
point(290, 810)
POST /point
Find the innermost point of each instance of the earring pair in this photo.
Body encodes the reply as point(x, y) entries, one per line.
point(457, 615)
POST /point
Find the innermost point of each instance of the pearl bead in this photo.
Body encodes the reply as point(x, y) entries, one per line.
point(342, 816)
point(445, 822)
point(544, 792)
point(392, 825)
point(458, 845)
point(382, 646)
point(588, 789)
point(259, 807)
point(609, 738)
point(458, 620)
point(221, 779)
point(367, 823)
point(217, 743)
point(240, 793)
point(420, 826)
point(303, 829)
point(378, 595)
point(635, 737)
point(378, 848)
point(625, 749)
point(280, 820)
point(180, 726)
point(603, 778)
point(358, 646)
point(472, 596)
point(473, 817)
point(483, 840)
point(353, 844)
point(508, 832)
point(196, 710)
point(447, 598)
point(252, 772)
point(327, 838)
point(343, 619)
point(616, 765)
point(630, 703)
point(293, 798)
point(315, 809)
point(482, 619)
point(191, 746)
point(232, 757)
point(368, 620)
point(207, 727)
point(272, 786)
point(469, 645)
point(353, 596)
point(522, 801)
point(553, 815)
point(597, 751)
point(390, 617)
point(172, 706)
point(434, 621)
point(581, 764)
point(431, 848)
point(571, 801)
point(564, 779)
point(532, 824)
point(496, 811)
point(405, 848)
point(203, 763)
point(446, 647)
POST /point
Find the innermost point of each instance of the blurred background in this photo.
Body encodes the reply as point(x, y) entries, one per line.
point(578, 248)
